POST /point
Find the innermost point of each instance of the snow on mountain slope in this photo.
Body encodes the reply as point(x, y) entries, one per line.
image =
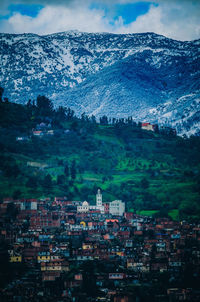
point(102, 73)
point(182, 114)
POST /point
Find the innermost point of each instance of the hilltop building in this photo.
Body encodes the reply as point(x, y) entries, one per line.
point(148, 126)
point(116, 207)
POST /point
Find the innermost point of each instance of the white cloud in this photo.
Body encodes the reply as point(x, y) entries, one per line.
point(54, 19)
point(173, 21)
point(177, 19)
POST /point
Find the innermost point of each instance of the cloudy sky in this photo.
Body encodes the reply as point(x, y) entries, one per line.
point(177, 19)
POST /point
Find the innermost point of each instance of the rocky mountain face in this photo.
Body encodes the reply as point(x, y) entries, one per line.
point(146, 76)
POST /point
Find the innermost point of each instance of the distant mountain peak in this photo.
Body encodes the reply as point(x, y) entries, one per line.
point(105, 73)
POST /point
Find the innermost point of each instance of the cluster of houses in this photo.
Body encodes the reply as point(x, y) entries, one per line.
point(42, 130)
point(116, 207)
point(54, 238)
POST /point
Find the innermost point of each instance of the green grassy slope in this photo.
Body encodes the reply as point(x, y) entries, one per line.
point(149, 171)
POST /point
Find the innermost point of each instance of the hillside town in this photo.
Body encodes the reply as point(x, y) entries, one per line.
point(99, 151)
point(61, 250)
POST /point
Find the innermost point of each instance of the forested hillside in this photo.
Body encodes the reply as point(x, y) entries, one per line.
point(46, 152)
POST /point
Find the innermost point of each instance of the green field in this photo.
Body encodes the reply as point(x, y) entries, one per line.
point(147, 213)
point(174, 214)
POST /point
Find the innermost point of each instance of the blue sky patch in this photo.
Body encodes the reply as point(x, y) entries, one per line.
point(31, 10)
point(28, 10)
point(129, 12)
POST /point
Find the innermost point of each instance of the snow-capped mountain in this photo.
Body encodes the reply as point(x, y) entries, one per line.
point(147, 76)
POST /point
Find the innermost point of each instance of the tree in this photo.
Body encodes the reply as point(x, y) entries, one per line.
point(47, 182)
point(83, 117)
point(73, 170)
point(93, 119)
point(74, 126)
point(29, 104)
point(61, 113)
point(163, 212)
point(70, 114)
point(85, 192)
point(11, 170)
point(32, 182)
point(144, 183)
point(16, 194)
point(103, 120)
point(66, 170)
point(60, 179)
point(1, 93)
point(44, 105)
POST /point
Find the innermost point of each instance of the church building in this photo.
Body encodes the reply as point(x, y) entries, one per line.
point(115, 208)
point(99, 203)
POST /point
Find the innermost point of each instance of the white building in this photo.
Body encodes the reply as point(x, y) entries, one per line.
point(99, 203)
point(148, 126)
point(84, 208)
point(28, 205)
point(117, 208)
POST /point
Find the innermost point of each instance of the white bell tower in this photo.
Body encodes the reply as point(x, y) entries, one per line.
point(99, 198)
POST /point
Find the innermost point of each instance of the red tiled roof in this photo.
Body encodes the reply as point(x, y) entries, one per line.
point(145, 124)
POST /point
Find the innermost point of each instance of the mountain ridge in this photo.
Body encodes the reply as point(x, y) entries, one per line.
point(65, 65)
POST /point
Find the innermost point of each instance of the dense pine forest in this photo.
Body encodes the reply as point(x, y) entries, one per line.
point(47, 152)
